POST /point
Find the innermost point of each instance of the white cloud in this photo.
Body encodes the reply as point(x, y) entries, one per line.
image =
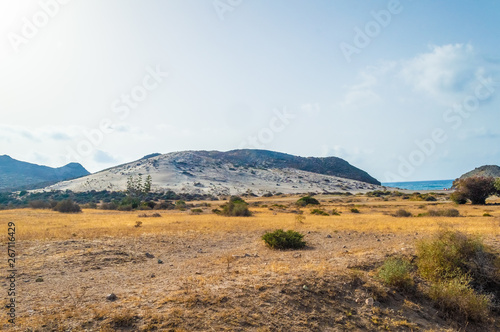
point(445, 71)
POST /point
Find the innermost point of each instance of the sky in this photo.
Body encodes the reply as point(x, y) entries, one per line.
point(406, 90)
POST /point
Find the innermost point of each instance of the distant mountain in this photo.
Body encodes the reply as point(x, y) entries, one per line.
point(232, 172)
point(16, 175)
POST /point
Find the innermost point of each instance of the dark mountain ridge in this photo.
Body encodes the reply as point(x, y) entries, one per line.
point(17, 175)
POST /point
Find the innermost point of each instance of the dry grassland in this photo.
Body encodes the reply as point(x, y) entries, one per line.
point(215, 273)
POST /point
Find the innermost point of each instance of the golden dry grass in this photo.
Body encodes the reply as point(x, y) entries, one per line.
point(207, 283)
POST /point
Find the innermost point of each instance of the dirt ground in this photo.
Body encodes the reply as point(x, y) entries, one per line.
point(187, 272)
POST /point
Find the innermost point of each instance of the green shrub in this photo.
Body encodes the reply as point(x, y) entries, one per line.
point(486, 214)
point(335, 212)
point(180, 205)
point(402, 213)
point(455, 297)
point(396, 272)
point(447, 255)
point(236, 207)
point(354, 210)
point(307, 200)
point(196, 211)
point(319, 212)
point(280, 239)
point(67, 206)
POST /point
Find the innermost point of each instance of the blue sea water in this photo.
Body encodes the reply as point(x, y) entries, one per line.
point(421, 185)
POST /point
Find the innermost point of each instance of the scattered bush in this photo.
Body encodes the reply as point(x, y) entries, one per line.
point(39, 204)
point(67, 206)
point(476, 188)
point(196, 211)
point(307, 200)
point(458, 197)
point(109, 206)
point(280, 239)
point(138, 223)
point(319, 212)
point(164, 206)
point(396, 272)
point(216, 211)
point(447, 255)
point(236, 207)
point(456, 298)
point(335, 212)
point(180, 205)
point(444, 213)
point(402, 213)
point(154, 215)
point(486, 214)
point(464, 276)
point(354, 210)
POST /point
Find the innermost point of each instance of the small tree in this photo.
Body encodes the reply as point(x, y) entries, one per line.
point(67, 206)
point(476, 188)
point(307, 200)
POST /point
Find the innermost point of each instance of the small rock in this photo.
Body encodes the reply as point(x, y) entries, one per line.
point(305, 287)
point(344, 247)
point(148, 255)
point(378, 240)
point(297, 255)
point(369, 301)
point(328, 236)
point(247, 255)
point(160, 261)
point(200, 251)
point(111, 297)
point(39, 279)
point(153, 275)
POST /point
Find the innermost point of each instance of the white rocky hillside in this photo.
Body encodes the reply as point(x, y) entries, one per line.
point(190, 172)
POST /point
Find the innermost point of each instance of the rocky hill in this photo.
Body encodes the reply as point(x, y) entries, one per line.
point(487, 170)
point(232, 172)
point(15, 174)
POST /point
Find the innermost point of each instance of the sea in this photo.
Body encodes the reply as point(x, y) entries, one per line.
point(421, 185)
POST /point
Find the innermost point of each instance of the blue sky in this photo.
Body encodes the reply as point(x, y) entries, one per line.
point(406, 90)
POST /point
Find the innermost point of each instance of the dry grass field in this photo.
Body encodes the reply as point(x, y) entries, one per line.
point(214, 273)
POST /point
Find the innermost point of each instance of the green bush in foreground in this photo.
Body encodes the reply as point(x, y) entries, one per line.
point(396, 272)
point(319, 212)
point(462, 273)
point(67, 206)
point(280, 239)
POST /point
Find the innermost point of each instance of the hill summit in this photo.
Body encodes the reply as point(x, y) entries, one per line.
point(232, 172)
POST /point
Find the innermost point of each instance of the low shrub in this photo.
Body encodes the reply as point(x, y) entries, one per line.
point(402, 213)
point(67, 206)
point(444, 213)
point(236, 207)
point(456, 297)
point(335, 212)
point(396, 272)
point(39, 204)
point(154, 215)
point(307, 200)
point(319, 212)
point(354, 210)
point(109, 206)
point(458, 197)
point(196, 211)
point(280, 239)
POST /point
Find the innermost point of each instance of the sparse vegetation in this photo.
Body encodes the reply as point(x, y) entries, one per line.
point(444, 213)
point(281, 240)
point(354, 210)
